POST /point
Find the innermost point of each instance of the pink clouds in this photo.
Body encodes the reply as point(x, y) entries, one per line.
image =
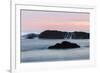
point(37, 21)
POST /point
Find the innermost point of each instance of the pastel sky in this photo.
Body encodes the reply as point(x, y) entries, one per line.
point(38, 21)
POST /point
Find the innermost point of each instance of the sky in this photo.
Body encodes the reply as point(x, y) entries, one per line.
point(39, 21)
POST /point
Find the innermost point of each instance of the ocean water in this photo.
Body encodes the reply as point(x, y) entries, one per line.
point(36, 50)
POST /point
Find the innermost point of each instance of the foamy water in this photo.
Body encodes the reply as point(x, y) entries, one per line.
point(35, 50)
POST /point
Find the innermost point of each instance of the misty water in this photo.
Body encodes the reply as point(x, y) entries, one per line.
point(36, 50)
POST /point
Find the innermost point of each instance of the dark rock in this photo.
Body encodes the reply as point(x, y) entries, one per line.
point(30, 36)
point(52, 34)
point(64, 45)
point(80, 35)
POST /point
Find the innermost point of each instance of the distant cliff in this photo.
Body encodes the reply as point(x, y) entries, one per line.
point(54, 34)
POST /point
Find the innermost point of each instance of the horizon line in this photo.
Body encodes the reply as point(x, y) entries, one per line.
point(23, 33)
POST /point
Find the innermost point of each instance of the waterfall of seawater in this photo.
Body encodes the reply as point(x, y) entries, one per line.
point(68, 35)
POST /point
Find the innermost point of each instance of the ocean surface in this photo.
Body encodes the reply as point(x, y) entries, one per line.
point(36, 50)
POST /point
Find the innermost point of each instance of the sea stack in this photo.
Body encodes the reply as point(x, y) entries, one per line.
point(64, 45)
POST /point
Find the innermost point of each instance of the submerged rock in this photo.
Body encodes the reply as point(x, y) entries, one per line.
point(30, 36)
point(64, 45)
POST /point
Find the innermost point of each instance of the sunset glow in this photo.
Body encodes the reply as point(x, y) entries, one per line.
point(38, 21)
